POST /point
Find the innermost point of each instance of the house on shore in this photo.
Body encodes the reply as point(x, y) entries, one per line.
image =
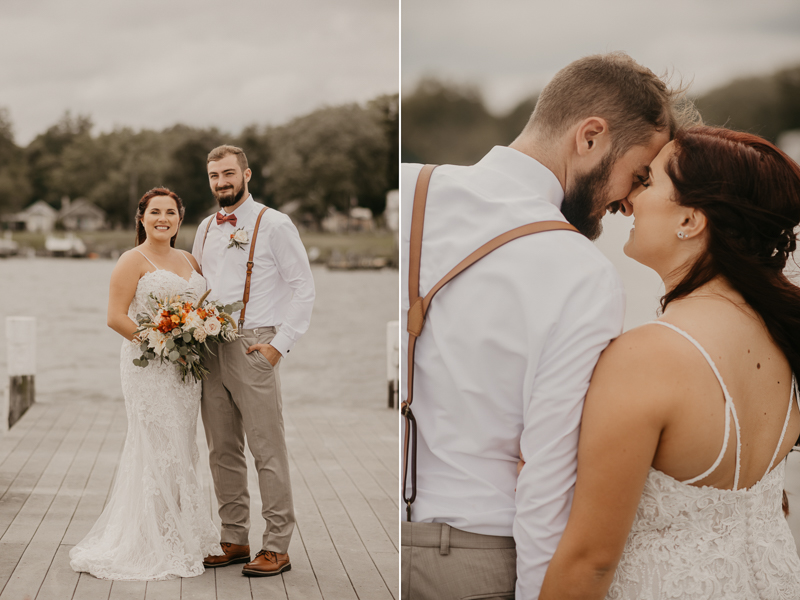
point(78, 215)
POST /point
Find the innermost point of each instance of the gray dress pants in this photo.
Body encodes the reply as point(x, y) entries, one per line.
point(242, 397)
point(439, 562)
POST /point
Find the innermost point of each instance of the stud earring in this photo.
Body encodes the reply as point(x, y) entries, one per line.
point(681, 235)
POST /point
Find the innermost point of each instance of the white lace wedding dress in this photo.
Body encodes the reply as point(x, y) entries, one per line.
point(157, 523)
point(693, 543)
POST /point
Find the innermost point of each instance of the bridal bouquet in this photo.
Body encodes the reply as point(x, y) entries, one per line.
point(177, 329)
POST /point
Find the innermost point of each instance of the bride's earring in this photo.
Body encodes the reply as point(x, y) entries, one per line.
point(681, 235)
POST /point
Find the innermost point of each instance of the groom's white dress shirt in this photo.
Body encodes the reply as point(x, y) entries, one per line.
point(281, 286)
point(506, 354)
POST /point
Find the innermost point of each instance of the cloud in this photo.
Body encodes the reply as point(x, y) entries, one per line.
point(513, 47)
point(153, 63)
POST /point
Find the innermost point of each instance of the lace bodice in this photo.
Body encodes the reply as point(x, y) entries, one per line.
point(699, 542)
point(164, 283)
point(157, 523)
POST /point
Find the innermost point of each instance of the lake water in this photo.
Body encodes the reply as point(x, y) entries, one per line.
point(341, 360)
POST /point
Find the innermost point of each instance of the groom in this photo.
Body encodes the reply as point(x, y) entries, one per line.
point(504, 360)
point(253, 254)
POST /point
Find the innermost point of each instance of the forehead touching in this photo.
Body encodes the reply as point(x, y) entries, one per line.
point(638, 158)
point(659, 163)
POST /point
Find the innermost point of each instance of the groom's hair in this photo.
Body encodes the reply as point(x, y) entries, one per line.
point(630, 97)
point(221, 152)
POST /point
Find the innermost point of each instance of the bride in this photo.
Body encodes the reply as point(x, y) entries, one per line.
point(689, 418)
point(157, 523)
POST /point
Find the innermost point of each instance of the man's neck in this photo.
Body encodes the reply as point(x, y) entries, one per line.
point(230, 209)
point(543, 152)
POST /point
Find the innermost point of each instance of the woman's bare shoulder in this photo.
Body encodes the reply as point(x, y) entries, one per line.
point(648, 365)
point(192, 260)
point(646, 344)
point(131, 262)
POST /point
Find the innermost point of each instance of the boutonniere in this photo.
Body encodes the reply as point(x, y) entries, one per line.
point(239, 238)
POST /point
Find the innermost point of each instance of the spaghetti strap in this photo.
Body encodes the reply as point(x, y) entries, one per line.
point(730, 411)
point(188, 261)
point(147, 259)
point(785, 424)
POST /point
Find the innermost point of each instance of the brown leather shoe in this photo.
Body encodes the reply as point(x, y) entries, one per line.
point(267, 563)
point(234, 553)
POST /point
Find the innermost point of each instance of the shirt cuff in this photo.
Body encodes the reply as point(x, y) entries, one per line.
point(282, 343)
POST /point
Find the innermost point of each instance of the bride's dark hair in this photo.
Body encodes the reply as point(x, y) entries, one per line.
point(141, 234)
point(749, 191)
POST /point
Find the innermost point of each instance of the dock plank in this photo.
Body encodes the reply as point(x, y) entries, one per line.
point(57, 468)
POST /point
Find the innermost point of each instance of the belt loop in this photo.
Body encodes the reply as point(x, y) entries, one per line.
point(444, 542)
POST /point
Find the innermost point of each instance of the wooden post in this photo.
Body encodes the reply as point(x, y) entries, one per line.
point(21, 353)
point(392, 360)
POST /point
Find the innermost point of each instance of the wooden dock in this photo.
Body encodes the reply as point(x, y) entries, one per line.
point(57, 465)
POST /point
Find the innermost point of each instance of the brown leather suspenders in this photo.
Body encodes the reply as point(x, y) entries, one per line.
point(418, 308)
point(246, 295)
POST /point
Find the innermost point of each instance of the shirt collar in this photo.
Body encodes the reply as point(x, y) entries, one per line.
point(244, 209)
point(527, 171)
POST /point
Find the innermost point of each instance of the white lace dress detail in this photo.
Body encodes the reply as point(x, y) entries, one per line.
point(157, 523)
point(696, 543)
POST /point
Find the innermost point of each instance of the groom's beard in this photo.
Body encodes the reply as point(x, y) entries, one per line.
point(227, 197)
point(584, 203)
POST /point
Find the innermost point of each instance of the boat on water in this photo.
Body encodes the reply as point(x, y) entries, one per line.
point(352, 262)
point(70, 245)
point(8, 247)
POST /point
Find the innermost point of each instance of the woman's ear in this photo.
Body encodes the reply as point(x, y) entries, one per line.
point(693, 223)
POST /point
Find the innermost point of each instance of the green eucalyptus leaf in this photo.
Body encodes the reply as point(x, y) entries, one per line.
point(187, 337)
point(170, 344)
point(174, 355)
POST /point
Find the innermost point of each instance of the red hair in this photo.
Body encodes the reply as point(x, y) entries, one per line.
point(749, 191)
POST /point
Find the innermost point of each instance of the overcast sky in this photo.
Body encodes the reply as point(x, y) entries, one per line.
point(154, 63)
point(511, 48)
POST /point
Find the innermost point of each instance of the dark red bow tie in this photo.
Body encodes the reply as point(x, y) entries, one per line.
point(229, 218)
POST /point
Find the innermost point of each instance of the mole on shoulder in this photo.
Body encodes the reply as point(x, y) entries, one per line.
point(758, 365)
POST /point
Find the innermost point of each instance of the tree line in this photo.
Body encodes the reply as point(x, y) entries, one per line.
point(449, 123)
point(333, 158)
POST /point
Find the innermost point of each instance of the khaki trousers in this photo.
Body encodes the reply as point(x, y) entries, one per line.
point(242, 396)
point(439, 562)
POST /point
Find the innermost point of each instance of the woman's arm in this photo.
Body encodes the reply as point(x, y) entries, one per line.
point(124, 279)
point(624, 415)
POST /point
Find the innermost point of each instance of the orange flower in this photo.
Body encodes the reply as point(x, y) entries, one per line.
point(175, 319)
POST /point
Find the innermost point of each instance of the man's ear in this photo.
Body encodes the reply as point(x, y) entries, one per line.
point(592, 137)
point(247, 175)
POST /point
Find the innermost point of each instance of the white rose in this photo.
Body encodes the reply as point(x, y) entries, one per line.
point(240, 236)
point(193, 321)
point(212, 326)
point(200, 334)
point(156, 340)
